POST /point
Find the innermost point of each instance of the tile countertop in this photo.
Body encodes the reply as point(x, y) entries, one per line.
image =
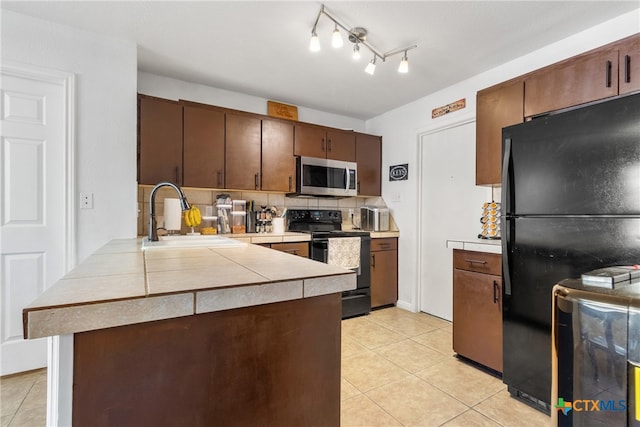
point(120, 284)
point(478, 245)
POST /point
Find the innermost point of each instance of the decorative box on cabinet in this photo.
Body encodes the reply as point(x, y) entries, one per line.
point(384, 272)
point(159, 140)
point(496, 107)
point(369, 159)
point(477, 307)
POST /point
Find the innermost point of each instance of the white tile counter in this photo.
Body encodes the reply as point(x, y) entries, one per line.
point(120, 284)
point(478, 245)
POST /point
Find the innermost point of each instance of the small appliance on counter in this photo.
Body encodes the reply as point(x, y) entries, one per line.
point(490, 221)
point(374, 218)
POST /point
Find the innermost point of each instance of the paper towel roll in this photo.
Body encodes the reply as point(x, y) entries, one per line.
point(172, 214)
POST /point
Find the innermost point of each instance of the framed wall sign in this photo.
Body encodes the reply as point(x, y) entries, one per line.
point(399, 172)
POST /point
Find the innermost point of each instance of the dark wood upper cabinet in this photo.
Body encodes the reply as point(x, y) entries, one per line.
point(575, 81)
point(369, 159)
point(159, 140)
point(242, 157)
point(496, 107)
point(203, 154)
point(278, 161)
point(319, 141)
point(629, 65)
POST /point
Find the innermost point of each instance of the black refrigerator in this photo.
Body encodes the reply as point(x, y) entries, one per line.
point(570, 204)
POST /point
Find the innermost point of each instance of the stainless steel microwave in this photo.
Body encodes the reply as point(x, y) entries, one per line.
point(325, 177)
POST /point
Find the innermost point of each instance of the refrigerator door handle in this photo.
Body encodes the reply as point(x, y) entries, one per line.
point(507, 238)
point(507, 178)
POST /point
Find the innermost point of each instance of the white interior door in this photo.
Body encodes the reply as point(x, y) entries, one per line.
point(450, 208)
point(35, 221)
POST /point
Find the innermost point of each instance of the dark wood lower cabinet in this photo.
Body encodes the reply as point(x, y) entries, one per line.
point(477, 308)
point(274, 365)
point(384, 272)
point(294, 248)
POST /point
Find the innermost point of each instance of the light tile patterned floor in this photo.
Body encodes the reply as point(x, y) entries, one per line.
point(398, 369)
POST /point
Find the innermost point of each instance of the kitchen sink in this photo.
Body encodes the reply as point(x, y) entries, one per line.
point(182, 241)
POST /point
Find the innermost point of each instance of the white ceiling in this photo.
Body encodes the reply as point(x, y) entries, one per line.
point(261, 48)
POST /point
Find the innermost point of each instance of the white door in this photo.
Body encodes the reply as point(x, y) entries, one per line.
point(36, 186)
point(451, 207)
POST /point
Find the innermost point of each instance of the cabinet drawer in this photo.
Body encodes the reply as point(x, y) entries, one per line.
point(480, 262)
point(294, 248)
point(386, 244)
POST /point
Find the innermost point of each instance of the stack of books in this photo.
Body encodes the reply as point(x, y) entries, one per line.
point(610, 277)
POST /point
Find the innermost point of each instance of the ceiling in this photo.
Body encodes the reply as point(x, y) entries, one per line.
point(261, 48)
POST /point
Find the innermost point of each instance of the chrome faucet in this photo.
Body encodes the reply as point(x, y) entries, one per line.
point(153, 231)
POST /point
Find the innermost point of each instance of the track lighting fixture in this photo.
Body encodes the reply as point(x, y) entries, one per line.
point(371, 67)
point(336, 38)
point(357, 36)
point(356, 51)
point(404, 64)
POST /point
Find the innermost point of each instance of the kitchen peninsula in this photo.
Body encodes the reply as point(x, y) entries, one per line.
point(220, 335)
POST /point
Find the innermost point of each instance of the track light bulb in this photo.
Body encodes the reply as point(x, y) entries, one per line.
point(404, 64)
point(356, 51)
point(314, 44)
point(336, 38)
point(371, 67)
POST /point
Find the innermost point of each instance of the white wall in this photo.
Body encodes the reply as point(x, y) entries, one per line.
point(401, 127)
point(105, 128)
point(169, 88)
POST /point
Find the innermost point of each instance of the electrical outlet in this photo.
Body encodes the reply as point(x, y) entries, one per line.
point(350, 211)
point(86, 200)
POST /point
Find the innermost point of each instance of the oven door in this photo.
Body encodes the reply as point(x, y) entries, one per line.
point(326, 177)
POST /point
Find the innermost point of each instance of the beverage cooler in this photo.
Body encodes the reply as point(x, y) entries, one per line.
point(596, 355)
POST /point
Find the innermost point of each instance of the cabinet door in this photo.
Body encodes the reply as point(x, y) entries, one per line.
point(384, 277)
point(203, 154)
point(477, 317)
point(496, 107)
point(576, 81)
point(278, 161)
point(369, 159)
point(294, 248)
point(629, 68)
point(341, 145)
point(242, 158)
point(310, 141)
point(159, 141)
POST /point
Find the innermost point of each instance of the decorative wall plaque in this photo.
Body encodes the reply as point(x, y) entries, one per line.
point(449, 108)
point(399, 172)
point(282, 111)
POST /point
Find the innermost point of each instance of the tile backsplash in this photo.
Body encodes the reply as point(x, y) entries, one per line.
point(207, 197)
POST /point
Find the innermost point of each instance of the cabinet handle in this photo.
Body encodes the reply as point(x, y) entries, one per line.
point(329, 145)
point(290, 183)
point(324, 144)
point(358, 187)
point(219, 179)
point(608, 73)
point(496, 288)
point(627, 69)
point(373, 260)
point(292, 251)
point(257, 180)
point(475, 261)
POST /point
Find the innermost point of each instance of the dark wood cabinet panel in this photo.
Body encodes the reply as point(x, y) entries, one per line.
point(629, 65)
point(496, 107)
point(203, 137)
point(369, 159)
point(242, 157)
point(480, 262)
point(294, 248)
point(310, 141)
point(278, 161)
point(384, 272)
point(477, 317)
point(576, 81)
point(323, 142)
point(341, 145)
point(159, 141)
